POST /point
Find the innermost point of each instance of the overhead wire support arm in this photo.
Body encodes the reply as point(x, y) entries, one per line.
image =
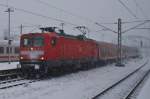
point(136, 26)
point(106, 27)
point(143, 28)
point(136, 21)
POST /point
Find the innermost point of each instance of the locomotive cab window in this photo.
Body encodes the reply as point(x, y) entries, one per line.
point(53, 41)
point(26, 42)
point(38, 41)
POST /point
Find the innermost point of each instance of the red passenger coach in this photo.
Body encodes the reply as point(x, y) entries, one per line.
point(41, 52)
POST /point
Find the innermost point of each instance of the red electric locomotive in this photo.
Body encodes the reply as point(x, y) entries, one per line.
point(44, 51)
point(41, 52)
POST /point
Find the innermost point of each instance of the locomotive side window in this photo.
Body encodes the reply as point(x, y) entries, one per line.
point(1, 50)
point(53, 41)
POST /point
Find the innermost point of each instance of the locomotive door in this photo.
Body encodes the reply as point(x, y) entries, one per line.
point(62, 49)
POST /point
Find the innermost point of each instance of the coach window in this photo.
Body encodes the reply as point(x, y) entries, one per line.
point(10, 49)
point(7, 50)
point(102, 52)
point(1, 50)
point(16, 50)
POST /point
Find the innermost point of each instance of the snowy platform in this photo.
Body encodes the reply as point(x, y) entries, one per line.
point(6, 65)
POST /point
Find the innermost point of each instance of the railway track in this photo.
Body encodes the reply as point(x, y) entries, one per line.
point(9, 81)
point(9, 74)
point(11, 78)
point(130, 93)
point(15, 83)
point(110, 88)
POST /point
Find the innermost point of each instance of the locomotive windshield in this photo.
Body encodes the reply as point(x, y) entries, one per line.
point(26, 42)
point(36, 41)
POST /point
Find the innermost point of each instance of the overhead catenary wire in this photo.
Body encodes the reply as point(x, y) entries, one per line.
point(144, 28)
point(70, 13)
point(73, 14)
point(136, 21)
point(141, 9)
point(63, 10)
point(142, 12)
point(38, 14)
point(100, 24)
point(128, 9)
point(126, 22)
point(67, 12)
point(137, 36)
point(109, 29)
point(106, 28)
point(81, 17)
point(59, 20)
point(135, 26)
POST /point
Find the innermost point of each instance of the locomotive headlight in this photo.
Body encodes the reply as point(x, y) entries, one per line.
point(21, 57)
point(42, 58)
point(31, 48)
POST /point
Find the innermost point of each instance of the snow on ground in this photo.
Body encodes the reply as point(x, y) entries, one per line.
point(145, 92)
point(80, 85)
point(122, 90)
point(6, 65)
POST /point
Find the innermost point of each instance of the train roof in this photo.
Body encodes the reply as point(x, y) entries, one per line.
point(80, 37)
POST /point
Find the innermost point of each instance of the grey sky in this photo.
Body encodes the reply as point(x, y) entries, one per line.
point(96, 10)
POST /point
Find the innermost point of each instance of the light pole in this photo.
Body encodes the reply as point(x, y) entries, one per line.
point(9, 40)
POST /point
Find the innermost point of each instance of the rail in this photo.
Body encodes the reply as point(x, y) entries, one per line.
point(118, 82)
